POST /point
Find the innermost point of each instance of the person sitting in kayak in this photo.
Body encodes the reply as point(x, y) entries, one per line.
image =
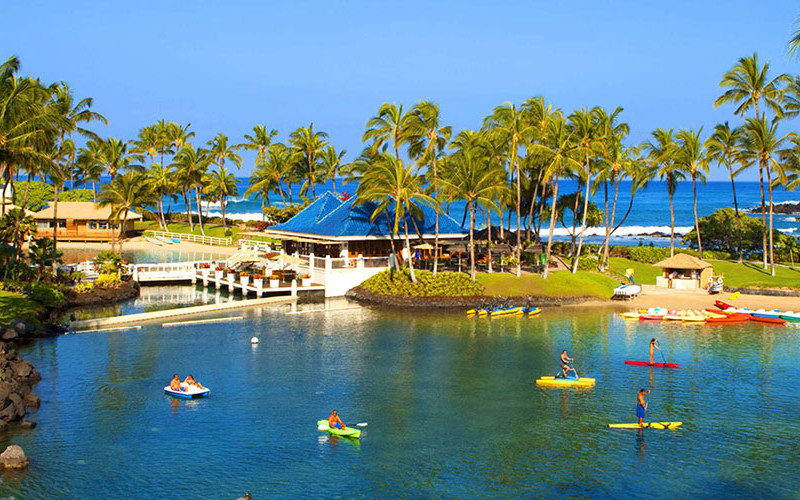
point(641, 405)
point(565, 365)
point(191, 381)
point(653, 347)
point(335, 421)
point(175, 384)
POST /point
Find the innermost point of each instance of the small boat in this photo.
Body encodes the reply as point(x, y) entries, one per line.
point(164, 240)
point(627, 291)
point(350, 432)
point(192, 392)
point(472, 312)
point(730, 318)
point(790, 316)
point(651, 317)
point(533, 311)
point(766, 314)
point(648, 425)
point(646, 363)
point(176, 240)
point(722, 305)
point(153, 241)
point(630, 315)
point(506, 311)
point(767, 319)
point(580, 382)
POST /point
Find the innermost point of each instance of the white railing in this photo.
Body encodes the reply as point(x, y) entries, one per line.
point(259, 246)
point(195, 238)
point(165, 271)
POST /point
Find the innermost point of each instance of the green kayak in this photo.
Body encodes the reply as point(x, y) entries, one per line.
point(350, 432)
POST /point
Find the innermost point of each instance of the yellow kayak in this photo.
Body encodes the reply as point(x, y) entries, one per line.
point(630, 315)
point(534, 312)
point(648, 425)
point(583, 382)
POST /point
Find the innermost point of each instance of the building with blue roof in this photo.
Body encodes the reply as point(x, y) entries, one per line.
point(342, 228)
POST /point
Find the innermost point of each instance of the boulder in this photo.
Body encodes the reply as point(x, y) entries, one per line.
point(14, 458)
point(32, 401)
point(18, 404)
point(9, 334)
point(22, 369)
point(27, 424)
point(21, 327)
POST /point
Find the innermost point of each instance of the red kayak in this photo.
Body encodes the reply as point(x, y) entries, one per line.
point(731, 318)
point(722, 305)
point(645, 363)
point(651, 317)
point(774, 321)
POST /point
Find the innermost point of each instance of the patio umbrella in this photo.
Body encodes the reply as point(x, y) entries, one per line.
point(423, 246)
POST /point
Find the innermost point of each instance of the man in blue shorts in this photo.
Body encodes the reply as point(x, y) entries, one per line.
point(641, 405)
point(335, 422)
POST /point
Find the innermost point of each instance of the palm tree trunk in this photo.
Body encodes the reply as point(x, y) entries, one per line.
point(27, 186)
point(471, 205)
point(436, 227)
point(263, 210)
point(604, 264)
point(408, 251)
point(55, 216)
point(585, 213)
point(518, 249)
point(542, 202)
point(311, 179)
point(490, 261)
point(199, 210)
point(222, 207)
point(763, 214)
point(696, 220)
point(280, 191)
point(188, 209)
point(333, 179)
point(671, 222)
point(122, 228)
point(739, 249)
point(575, 219)
point(771, 242)
point(552, 227)
point(533, 203)
point(94, 192)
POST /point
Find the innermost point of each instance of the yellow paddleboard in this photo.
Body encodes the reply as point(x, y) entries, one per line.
point(630, 315)
point(648, 425)
point(583, 382)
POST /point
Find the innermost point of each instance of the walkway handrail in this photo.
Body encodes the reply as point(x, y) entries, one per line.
point(195, 238)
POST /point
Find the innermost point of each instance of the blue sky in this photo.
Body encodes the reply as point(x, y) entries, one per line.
point(226, 66)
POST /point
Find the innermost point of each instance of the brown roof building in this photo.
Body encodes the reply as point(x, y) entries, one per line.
point(82, 221)
point(684, 271)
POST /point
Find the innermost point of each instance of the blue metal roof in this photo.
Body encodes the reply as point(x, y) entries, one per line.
point(329, 216)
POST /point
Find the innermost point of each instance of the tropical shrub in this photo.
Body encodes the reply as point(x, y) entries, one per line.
point(720, 232)
point(278, 215)
point(107, 280)
point(84, 287)
point(648, 255)
point(109, 261)
point(45, 294)
point(428, 285)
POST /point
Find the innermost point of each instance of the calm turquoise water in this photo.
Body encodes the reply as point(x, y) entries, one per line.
point(451, 405)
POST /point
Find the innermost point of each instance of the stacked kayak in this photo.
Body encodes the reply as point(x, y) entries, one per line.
point(499, 312)
point(648, 425)
point(646, 363)
point(350, 432)
point(555, 382)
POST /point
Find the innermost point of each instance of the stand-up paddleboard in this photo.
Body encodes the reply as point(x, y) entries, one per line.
point(645, 363)
point(582, 382)
point(648, 425)
point(350, 432)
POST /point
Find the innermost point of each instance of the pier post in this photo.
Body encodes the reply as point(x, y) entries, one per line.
point(294, 288)
point(360, 262)
point(311, 266)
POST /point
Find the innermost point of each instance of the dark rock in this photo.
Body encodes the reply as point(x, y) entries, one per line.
point(22, 369)
point(21, 327)
point(32, 401)
point(27, 424)
point(13, 458)
point(19, 406)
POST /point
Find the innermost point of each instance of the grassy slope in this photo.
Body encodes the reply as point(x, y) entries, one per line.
point(13, 305)
point(216, 230)
point(748, 274)
point(558, 284)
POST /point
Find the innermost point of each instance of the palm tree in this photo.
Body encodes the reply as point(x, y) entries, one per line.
point(391, 184)
point(661, 154)
point(57, 171)
point(221, 151)
point(259, 142)
point(794, 42)
point(149, 142)
point(91, 163)
point(762, 143)
point(162, 184)
point(221, 185)
point(117, 158)
point(470, 177)
point(512, 126)
point(331, 163)
point(309, 144)
point(15, 228)
point(389, 126)
point(558, 155)
point(191, 165)
point(427, 141)
point(691, 157)
point(43, 255)
point(262, 182)
point(539, 114)
point(129, 191)
point(723, 147)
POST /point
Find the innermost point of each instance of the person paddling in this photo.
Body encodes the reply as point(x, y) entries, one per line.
point(653, 347)
point(335, 421)
point(641, 406)
point(565, 364)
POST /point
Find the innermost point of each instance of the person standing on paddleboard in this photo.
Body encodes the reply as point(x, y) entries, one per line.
point(653, 347)
point(565, 364)
point(641, 405)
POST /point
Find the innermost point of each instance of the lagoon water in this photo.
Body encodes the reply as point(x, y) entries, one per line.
point(451, 404)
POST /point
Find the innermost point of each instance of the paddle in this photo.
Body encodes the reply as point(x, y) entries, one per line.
point(662, 356)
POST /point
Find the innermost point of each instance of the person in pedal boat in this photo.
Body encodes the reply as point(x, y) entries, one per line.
point(335, 421)
point(175, 384)
point(641, 405)
point(653, 347)
point(191, 381)
point(565, 365)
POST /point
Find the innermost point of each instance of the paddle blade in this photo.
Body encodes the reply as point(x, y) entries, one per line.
point(362, 424)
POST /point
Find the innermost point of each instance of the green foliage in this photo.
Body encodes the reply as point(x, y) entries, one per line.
point(14, 305)
point(84, 287)
point(428, 285)
point(45, 294)
point(43, 255)
point(648, 255)
point(719, 231)
point(280, 215)
point(76, 195)
point(109, 261)
point(587, 263)
point(566, 203)
point(39, 194)
point(106, 280)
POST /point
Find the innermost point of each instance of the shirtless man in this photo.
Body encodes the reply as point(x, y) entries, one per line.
point(653, 347)
point(175, 384)
point(565, 364)
point(641, 405)
point(336, 422)
point(191, 381)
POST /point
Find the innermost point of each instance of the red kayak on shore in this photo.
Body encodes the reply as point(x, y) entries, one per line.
point(645, 363)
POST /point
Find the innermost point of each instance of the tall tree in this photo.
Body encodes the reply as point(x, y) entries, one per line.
point(309, 144)
point(723, 148)
point(691, 156)
point(221, 185)
point(91, 163)
point(259, 142)
point(331, 162)
point(390, 126)
point(428, 139)
point(662, 151)
point(191, 165)
point(128, 192)
point(221, 151)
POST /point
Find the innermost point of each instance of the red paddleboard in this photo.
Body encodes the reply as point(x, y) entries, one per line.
point(645, 363)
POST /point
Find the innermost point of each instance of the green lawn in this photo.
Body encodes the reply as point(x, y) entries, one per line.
point(748, 274)
point(557, 284)
point(14, 305)
point(216, 230)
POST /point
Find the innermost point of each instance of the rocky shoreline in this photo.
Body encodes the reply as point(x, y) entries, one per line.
point(101, 296)
point(17, 376)
point(365, 297)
